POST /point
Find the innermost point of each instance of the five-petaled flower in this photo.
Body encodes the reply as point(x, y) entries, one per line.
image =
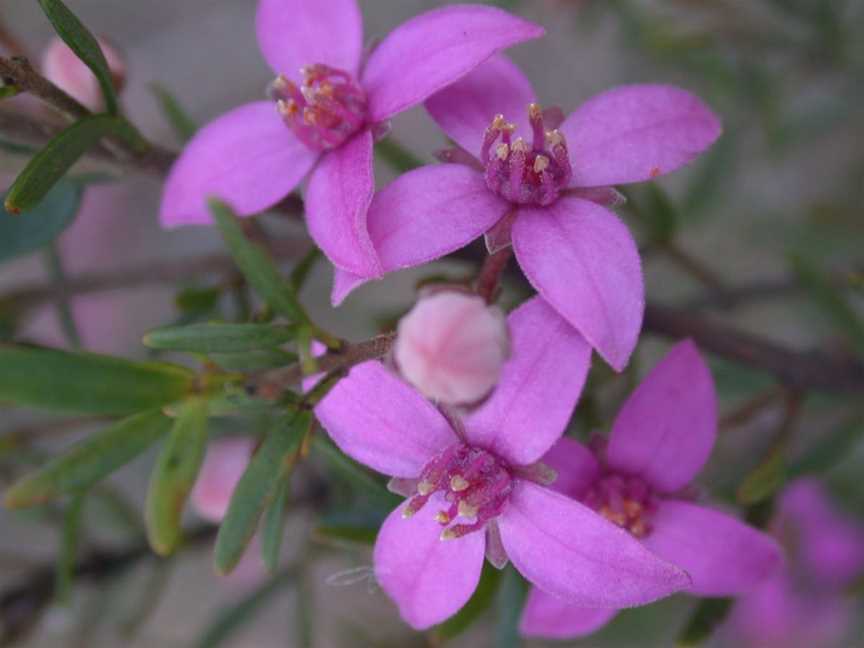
point(660, 440)
point(523, 171)
point(475, 486)
point(327, 105)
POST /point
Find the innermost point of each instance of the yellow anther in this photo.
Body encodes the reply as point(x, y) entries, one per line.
point(467, 510)
point(541, 162)
point(554, 138)
point(502, 151)
point(448, 534)
point(519, 145)
point(407, 512)
point(281, 83)
point(638, 529)
point(425, 487)
point(498, 122)
point(326, 89)
point(534, 111)
point(632, 508)
point(286, 108)
point(309, 116)
point(442, 518)
point(458, 483)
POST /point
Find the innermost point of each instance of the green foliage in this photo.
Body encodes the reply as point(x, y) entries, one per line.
point(184, 126)
point(69, 541)
point(254, 360)
point(274, 525)
point(88, 383)
point(219, 338)
point(708, 615)
point(837, 445)
point(511, 597)
point(765, 480)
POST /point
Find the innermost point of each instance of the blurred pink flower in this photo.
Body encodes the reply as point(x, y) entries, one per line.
point(328, 107)
point(475, 488)
point(804, 605)
point(451, 346)
point(63, 67)
point(551, 192)
point(660, 440)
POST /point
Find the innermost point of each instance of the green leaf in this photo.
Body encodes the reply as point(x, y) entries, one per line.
point(67, 557)
point(83, 43)
point(34, 229)
point(52, 162)
point(256, 265)
point(476, 605)
point(765, 480)
point(274, 525)
point(709, 614)
point(174, 476)
point(89, 461)
point(655, 212)
point(184, 126)
point(224, 338)
point(834, 448)
point(254, 360)
point(352, 472)
point(257, 488)
point(87, 382)
point(511, 598)
point(398, 157)
point(196, 301)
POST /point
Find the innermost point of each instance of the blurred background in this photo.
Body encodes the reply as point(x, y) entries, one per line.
point(765, 232)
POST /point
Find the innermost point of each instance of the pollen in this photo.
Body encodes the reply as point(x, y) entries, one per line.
point(458, 483)
point(541, 163)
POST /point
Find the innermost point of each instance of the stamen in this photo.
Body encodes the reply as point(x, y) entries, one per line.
point(458, 483)
point(624, 500)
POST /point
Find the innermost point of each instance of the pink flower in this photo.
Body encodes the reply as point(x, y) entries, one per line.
point(327, 107)
point(474, 488)
point(548, 189)
point(61, 66)
point(659, 442)
point(451, 347)
point(804, 606)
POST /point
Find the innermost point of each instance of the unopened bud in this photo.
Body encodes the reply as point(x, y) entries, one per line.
point(61, 66)
point(224, 464)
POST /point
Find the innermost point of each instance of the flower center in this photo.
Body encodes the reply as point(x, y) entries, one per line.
point(325, 110)
point(475, 482)
point(524, 175)
point(624, 500)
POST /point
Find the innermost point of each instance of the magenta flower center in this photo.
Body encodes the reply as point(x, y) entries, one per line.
point(528, 175)
point(325, 110)
point(624, 500)
point(475, 483)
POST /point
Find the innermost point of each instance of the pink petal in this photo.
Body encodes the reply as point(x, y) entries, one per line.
point(62, 67)
point(337, 200)
point(224, 464)
point(519, 421)
point(296, 33)
point(723, 555)
point(246, 157)
point(575, 464)
point(344, 283)
point(573, 553)
point(434, 49)
point(429, 579)
point(667, 427)
point(635, 133)
point(584, 262)
point(382, 422)
point(548, 617)
point(465, 109)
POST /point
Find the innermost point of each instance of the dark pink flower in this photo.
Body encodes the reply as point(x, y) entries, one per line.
point(804, 605)
point(659, 442)
point(548, 190)
point(475, 488)
point(327, 106)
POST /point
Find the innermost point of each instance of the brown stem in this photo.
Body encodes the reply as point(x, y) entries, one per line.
point(490, 274)
point(29, 80)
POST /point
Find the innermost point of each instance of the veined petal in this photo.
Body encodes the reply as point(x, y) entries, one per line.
point(571, 552)
point(723, 556)
point(576, 465)
point(548, 617)
point(465, 109)
point(519, 421)
point(434, 49)
point(382, 422)
point(582, 259)
point(296, 33)
point(429, 579)
point(337, 201)
point(666, 429)
point(247, 157)
point(635, 133)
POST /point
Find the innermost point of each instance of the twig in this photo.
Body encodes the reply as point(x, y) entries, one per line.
point(29, 80)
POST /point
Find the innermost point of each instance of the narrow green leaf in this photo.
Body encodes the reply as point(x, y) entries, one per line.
point(84, 44)
point(828, 452)
point(274, 525)
point(257, 488)
point(352, 472)
point(89, 461)
point(215, 338)
point(397, 156)
point(184, 126)
point(67, 556)
point(476, 605)
point(87, 382)
point(52, 162)
point(34, 229)
point(256, 265)
point(254, 360)
point(9, 91)
point(346, 533)
point(765, 480)
point(709, 614)
point(511, 598)
point(174, 476)
point(195, 301)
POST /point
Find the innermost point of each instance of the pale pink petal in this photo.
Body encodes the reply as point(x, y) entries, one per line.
point(571, 552)
point(520, 421)
point(344, 283)
point(247, 157)
point(465, 109)
point(337, 200)
point(635, 133)
point(296, 33)
point(575, 464)
point(382, 422)
point(62, 67)
point(224, 464)
point(722, 554)
point(548, 617)
point(584, 262)
point(434, 49)
point(666, 429)
point(429, 579)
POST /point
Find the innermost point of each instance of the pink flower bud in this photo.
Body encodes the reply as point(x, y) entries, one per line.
point(223, 466)
point(61, 66)
point(451, 347)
